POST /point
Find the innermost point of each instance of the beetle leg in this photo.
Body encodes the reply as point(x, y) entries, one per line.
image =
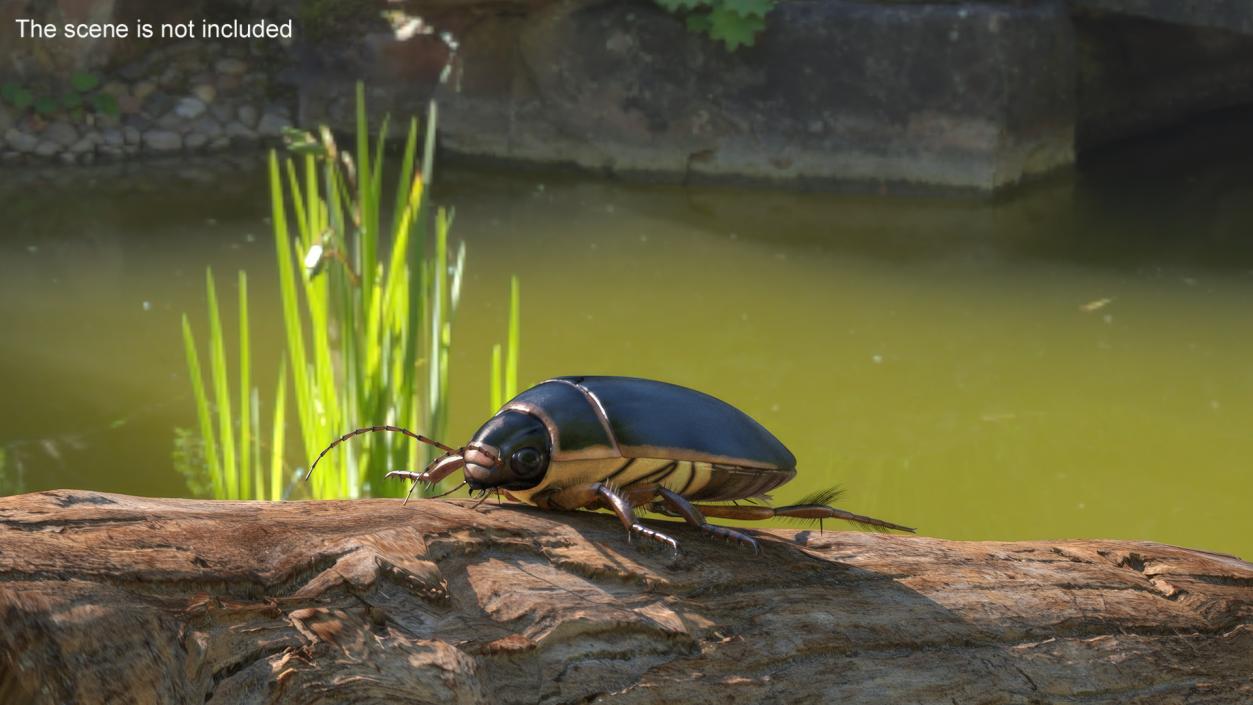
point(692, 515)
point(796, 511)
point(821, 511)
point(439, 468)
point(591, 493)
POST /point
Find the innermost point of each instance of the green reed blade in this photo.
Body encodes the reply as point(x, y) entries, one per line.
point(221, 383)
point(258, 471)
point(297, 199)
point(379, 323)
point(403, 184)
point(291, 315)
point(312, 204)
point(245, 394)
point(515, 338)
point(279, 430)
point(203, 414)
point(497, 383)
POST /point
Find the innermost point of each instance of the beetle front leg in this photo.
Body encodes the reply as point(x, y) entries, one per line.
point(439, 468)
point(581, 496)
point(679, 504)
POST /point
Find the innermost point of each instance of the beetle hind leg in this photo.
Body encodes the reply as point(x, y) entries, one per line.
point(598, 493)
point(799, 511)
point(679, 504)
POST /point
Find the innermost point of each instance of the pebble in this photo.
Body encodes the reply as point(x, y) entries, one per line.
point(230, 67)
point(112, 137)
point(171, 121)
point(247, 115)
point(85, 145)
point(272, 125)
point(205, 92)
point(21, 141)
point(171, 78)
point(47, 149)
point(207, 126)
point(129, 104)
point(131, 135)
point(159, 104)
point(62, 133)
point(222, 112)
point(195, 140)
point(162, 140)
point(143, 89)
point(240, 130)
point(190, 108)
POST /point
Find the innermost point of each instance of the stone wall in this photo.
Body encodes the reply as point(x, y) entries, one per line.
point(908, 94)
point(170, 97)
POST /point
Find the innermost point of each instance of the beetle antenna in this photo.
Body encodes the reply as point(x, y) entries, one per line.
point(372, 429)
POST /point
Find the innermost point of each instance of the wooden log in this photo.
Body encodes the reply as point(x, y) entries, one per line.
point(115, 599)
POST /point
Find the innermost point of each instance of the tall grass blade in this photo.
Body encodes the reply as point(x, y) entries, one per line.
point(221, 393)
point(368, 317)
point(279, 430)
point(203, 414)
point(497, 383)
point(245, 394)
point(515, 337)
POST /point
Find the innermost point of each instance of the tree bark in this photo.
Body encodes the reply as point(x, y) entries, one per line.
point(115, 599)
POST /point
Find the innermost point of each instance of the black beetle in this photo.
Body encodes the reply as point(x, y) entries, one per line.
point(622, 442)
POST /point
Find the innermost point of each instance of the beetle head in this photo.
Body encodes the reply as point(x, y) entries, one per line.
point(510, 452)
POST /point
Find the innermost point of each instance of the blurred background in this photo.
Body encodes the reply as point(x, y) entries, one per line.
point(1072, 361)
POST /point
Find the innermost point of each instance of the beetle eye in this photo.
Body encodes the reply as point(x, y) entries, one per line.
point(527, 462)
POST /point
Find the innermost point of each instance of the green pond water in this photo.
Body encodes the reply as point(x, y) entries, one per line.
point(1073, 360)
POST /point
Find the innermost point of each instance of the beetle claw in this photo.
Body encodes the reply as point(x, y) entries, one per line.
point(654, 535)
point(731, 536)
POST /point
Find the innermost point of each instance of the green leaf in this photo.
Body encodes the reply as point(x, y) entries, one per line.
point(105, 104)
point(46, 106)
point(9, 91)
point(23, 99)
point(749, 8)
point(733, 29)
point(83, 81)
point(699, 24)
point(71, 101)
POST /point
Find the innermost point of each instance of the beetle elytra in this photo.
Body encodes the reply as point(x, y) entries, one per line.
point(621, 443)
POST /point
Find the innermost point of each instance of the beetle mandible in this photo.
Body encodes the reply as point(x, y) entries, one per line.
point(622, 442)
